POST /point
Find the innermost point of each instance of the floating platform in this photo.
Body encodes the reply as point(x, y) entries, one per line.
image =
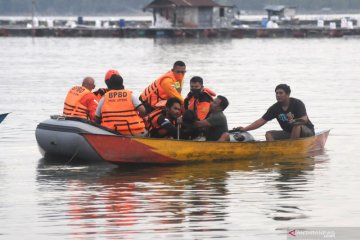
point(255, 32)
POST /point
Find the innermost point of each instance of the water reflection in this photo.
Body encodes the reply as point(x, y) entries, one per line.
point(290, 187)
point(110, 201)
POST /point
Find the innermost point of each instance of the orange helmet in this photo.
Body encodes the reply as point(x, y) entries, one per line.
point(110, 73)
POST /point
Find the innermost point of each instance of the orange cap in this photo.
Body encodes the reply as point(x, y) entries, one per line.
point(110, 73)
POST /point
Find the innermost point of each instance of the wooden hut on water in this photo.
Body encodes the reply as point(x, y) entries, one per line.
point(193, 13)
point(280, 11)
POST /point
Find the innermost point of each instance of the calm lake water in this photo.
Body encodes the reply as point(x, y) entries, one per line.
point(47, 199)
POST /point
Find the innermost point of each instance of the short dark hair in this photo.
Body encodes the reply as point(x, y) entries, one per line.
point(179, 63)
point(189, 117)
point(197, 79)
point(224, 102)
point(115, 82)
point(284, 87)
point(171, 101)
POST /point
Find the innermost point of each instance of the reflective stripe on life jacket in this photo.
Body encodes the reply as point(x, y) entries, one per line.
point(151, 119)
point(118, 113)
point(201, 105)
point(72, 105)
point(154, 92)
point(152, 125)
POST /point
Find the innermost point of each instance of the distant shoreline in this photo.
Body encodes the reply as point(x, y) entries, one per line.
point(149, 17)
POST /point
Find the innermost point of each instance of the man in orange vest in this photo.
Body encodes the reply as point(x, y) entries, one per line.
point(199, 98)
point(120, 110)
point(162, 122)
point(101, 91)
point(80, 101)
point(167, 86)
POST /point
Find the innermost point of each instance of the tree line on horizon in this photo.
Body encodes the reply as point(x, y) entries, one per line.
point(135, 7)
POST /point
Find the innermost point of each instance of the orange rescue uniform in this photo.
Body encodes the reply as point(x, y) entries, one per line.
point(119, 113)
point(200, 105)
point(163, 88)
point(80, 102)
point(100, 93)
point(153, 123)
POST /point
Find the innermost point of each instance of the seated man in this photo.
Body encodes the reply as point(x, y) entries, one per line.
point(80, 101)
point(120, 110)
point(291, 115)
point(199, 98)
point(216, 128)
point(162, 122)
point(101, 91)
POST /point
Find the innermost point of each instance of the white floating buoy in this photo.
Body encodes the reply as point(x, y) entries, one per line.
point(35, 22)
point(98, 23)
point(269, 24)
point(50, 23)
point(320, 23)
point(343, 23)
point(332, 25)
point(70, 24)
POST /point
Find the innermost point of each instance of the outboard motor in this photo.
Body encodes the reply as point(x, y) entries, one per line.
point(238, 136)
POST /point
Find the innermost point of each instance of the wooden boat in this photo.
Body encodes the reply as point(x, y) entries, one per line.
point(120, 149)
point(3, 116)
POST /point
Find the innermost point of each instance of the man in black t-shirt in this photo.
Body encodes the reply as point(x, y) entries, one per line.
point(291, 115)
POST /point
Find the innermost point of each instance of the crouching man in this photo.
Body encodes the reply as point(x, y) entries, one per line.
point(216, 127)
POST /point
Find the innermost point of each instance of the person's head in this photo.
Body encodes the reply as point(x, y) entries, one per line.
point(219, 104)
point(189, 117)
point(173, 108)
point(88, 83)
point(282, 92)
point(179, 70)
point(113, 80)
point(196, 86)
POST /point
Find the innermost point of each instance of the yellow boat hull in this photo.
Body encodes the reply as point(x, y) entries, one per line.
point(119, 149)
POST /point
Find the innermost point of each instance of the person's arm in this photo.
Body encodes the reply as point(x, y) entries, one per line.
point(89, 101)
point(255, 125)
point(98, 111)
point(139, 106)
point(300, 111)
point(100, 93)
point(92, 109)
point(269, 115)
point(201, 124)
point(299, 121)
point(168, 85)
point(166, 125)
point(171, 130)
point(212, 121)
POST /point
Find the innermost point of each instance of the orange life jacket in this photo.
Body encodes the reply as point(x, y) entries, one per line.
point(154, 92)
point(100, 93)
point(201, 108)
point(72, 105)
point(118, 113)
point(151, 121)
